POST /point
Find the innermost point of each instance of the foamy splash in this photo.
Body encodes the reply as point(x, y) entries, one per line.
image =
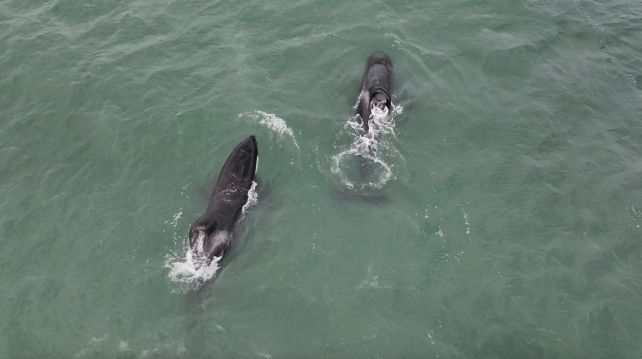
point(272, 122)
point(371, 152)
point(252, 196)
point(192, 269)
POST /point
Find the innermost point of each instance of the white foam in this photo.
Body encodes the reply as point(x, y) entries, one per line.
point(380, 121)
point(467, 223)
point(190, 270)
point(252, 198)
point(361, 149)
point(123, 346)
point(371, 281)
point(95, 345)
point(272, 122)
point(193, 269)
point(374, 146)
point(175, 218)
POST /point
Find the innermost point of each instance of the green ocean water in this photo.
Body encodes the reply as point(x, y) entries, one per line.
point(503, 220)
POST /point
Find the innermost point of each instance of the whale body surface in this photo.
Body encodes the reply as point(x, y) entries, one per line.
point(210, 234)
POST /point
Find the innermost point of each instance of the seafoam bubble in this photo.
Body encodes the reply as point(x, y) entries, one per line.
point(272, 122)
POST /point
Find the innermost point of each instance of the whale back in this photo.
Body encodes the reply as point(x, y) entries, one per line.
point(237, 174)
point(228, 197)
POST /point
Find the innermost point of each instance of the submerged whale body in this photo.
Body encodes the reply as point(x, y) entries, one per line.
point(376, 86)
point(210, 235)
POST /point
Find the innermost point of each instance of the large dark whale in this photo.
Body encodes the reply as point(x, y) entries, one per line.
point(376, 86)
point(210, 235)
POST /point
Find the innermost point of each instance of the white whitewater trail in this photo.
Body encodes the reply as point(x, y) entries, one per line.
point(272, 122)
point(375, 147)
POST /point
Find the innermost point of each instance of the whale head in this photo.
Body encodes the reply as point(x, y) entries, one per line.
point(207, 241)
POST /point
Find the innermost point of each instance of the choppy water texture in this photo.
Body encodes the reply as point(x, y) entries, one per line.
point(509, 226)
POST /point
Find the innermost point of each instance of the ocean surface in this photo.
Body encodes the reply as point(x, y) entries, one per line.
point(496, 213)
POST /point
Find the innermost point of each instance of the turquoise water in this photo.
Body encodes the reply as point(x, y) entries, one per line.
point(500, 219)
